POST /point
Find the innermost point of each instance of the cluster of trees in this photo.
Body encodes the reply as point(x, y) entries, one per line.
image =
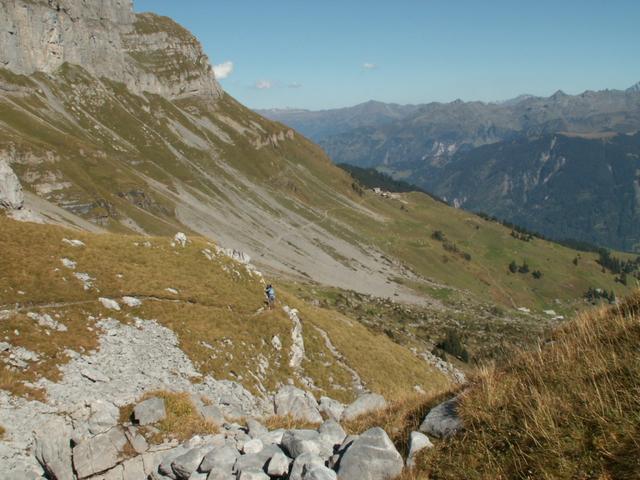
point(450, 246)
point(524, 269)
point(617, 265)
point(452, 344)
point(621, 268)
point(372, 178)
point(525, 237)
point(594, 295)
point(516, 230)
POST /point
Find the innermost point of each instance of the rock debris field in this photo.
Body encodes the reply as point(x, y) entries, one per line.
point(78, 432)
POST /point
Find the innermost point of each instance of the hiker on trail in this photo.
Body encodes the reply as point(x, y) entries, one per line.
point(271, 296)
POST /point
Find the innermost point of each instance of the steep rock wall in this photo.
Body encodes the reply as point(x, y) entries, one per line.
point(148, 53)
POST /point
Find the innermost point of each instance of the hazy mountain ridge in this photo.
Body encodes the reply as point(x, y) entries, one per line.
point(561, 186)
point(433, 144)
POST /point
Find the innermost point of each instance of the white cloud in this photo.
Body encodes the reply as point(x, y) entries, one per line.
point(369, 66)
point(263, 84)
point(295, 85)
point(223, 70)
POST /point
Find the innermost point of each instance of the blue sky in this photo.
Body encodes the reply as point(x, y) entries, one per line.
point(330, 53)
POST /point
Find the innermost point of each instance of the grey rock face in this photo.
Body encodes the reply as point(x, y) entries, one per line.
point(253, 475)
point(319, 472)
point(133, 469)
point(11, 195)
point(252, 446)
point(211, 413)
point(99, 454)
point(331, 408)
point(417, 442)
point(107, 39)
point(104, 415)
point(278, 465)
point(298, 404)
point(187, 463)
point(137, 441)
point(256, 461)
point(367, 403)
point(297, 442)
point(274, 436)
point(53, 449)
point(304, 461)
point(332, 433)
point(219, 474)
point(256, 429)
point(220, 458)
point(150, 411)
point(371, 457)
point(443, 421)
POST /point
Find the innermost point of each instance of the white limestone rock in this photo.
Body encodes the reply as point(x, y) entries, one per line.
point(11, 196)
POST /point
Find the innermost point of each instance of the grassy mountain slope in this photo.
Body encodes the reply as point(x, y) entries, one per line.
point(217, 314)
point(568, 409)
point(135, 164)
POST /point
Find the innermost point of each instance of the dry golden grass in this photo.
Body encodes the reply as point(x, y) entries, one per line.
point(287, 422)
point(182, 422)
point(383, 365)
point(569, 409)
point(215, 315)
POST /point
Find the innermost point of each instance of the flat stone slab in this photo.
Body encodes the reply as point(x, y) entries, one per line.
point(150, 411)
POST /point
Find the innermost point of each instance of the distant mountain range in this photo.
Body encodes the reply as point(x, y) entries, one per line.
point(437, 145)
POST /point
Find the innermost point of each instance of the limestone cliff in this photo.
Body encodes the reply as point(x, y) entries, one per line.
point(146, 52)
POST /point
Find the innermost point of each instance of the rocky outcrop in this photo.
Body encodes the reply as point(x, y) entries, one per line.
point(11, 196)
point(146, 52)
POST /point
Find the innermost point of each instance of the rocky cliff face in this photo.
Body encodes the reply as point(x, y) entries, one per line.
point(107, 39)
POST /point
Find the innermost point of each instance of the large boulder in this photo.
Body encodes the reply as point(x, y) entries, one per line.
point(417, 442)
point(11, 195)
point(256, 462)
point(253, 475)
point(332, 433)
point(254, 445)
point(99, 453)
point(53, 448)
point(150, 411)
point(221, 458)
point(300, 405)
point(304, 462)
point(371, 457)
point(319, 472)
point(187, 463)
point(278, 465)
point(443, 421)
point(365, 404)
point(331, 409)
point(297, 442)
